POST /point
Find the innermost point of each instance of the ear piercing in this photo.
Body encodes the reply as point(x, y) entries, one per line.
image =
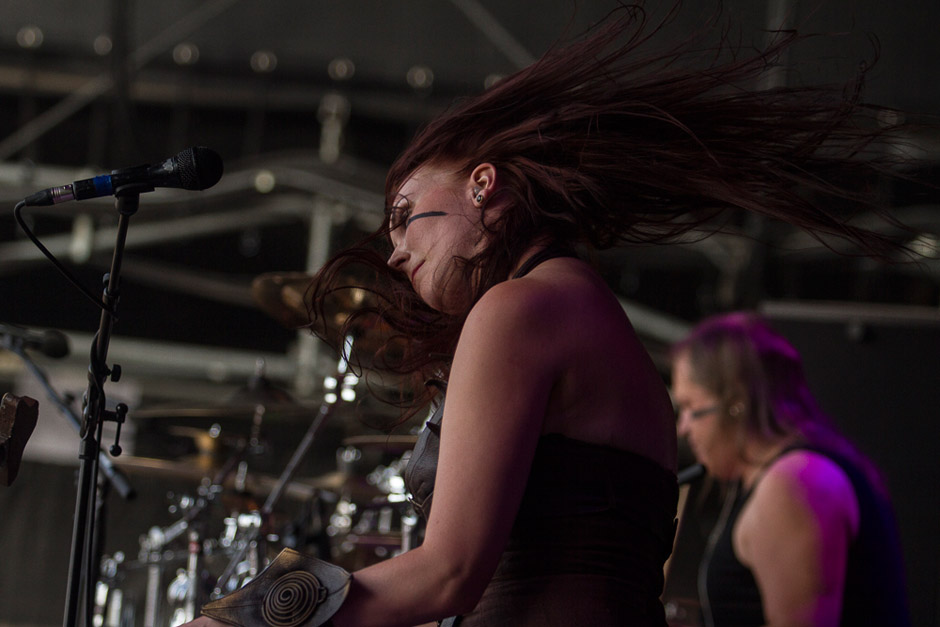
point(479, 198)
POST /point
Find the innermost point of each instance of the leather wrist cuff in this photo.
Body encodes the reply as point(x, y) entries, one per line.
point(295, 590)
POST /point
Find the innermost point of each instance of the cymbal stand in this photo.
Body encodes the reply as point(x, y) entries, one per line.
point(118, 479)
point(158, 539)
point(303, 447)
point(94, 414)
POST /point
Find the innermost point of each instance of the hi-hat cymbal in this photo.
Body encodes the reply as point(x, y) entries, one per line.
point(389, 443)
point(301, 488)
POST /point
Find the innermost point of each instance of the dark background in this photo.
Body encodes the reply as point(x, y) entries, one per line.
point(89, 86)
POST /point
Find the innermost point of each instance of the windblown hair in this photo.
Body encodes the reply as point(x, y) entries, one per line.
point(601, 143)
point(741, 360)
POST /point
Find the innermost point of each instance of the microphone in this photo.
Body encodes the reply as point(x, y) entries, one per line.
point(195, 168)
point(690, 474)
point(50, 343)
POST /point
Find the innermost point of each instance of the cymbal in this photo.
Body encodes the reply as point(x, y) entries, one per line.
point(281, 296)
point(189, 470)
point(197, 470)
point(350, 486)
point(207, 441)
point(356, 488)
point(390, 443)
point(306, 487)
point(235, 411)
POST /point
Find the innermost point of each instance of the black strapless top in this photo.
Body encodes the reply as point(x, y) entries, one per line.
point(588, 545)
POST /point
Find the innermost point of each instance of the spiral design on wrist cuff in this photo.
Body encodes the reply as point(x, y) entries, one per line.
point(292, 599)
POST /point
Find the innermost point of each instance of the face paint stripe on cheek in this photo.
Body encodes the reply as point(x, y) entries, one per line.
point(426, 214)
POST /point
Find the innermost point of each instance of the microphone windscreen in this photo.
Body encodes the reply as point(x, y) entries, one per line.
point(54, 344)
point(199, 168)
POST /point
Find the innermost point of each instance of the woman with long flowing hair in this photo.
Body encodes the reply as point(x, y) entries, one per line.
point(551, 456)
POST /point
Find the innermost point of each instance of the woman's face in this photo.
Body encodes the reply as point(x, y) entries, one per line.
point(714, 444)
point(434, 220)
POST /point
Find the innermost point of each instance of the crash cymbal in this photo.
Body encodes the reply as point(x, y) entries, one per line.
point(207, 441)
point(192, 470)
point(389, 443)
point(350, 486)
point(281, 296)
point(284, 297)
point(307, 487)
point(237, 411)
point(248, 498)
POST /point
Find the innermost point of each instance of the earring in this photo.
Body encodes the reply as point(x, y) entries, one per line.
point(480, 198)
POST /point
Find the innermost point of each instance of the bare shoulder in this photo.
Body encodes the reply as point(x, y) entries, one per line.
point(552, 293)
point(514, 298)
point(794, 534)
point(810, 483)
point(803, 471)
point(507, 327)
point(537, 323)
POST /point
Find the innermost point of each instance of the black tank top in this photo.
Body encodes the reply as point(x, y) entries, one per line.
point(875, 591)
point(593, 530)
point(588, 545)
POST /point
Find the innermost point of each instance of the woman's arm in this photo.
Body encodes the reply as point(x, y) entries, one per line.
point(503, 371)
point(794, 534)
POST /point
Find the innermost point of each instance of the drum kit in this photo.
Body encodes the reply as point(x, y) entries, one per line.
point(239, 514)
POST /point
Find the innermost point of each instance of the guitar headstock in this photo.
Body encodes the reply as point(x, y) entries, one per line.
point(18, 416)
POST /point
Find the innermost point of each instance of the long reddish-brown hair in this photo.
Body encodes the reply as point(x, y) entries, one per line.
point(601, 143)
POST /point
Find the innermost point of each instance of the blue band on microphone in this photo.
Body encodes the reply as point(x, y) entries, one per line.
point(103, 185)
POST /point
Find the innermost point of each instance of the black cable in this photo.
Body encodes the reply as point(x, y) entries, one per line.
point(65, 271)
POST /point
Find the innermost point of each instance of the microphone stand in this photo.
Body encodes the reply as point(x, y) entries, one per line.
point(127, 200)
